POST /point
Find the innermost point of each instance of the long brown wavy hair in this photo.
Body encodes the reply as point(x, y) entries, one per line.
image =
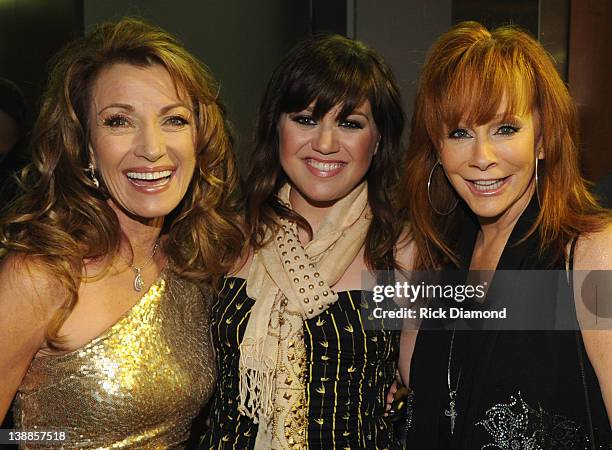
point(61, 218)
point(468, 72)
point(329, 70)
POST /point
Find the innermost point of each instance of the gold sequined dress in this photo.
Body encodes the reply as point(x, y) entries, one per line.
point(138, 385)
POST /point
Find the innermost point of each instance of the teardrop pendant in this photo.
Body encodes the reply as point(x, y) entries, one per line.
point(138, 280)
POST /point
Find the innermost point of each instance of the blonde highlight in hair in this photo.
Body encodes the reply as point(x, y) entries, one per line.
point(61, 218)
point(469, 73)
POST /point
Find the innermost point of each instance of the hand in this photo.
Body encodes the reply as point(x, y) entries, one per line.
point(390, 397)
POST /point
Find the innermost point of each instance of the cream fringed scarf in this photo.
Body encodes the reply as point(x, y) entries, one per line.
point(291, 283)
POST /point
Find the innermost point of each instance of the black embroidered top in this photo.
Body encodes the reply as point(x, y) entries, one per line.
point(515, 389)
point(349, 368)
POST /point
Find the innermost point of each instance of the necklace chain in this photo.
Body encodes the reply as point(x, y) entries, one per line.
point(139, 282)
point(451, 412)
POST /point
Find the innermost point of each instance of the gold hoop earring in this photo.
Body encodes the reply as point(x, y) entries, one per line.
point(429, 193)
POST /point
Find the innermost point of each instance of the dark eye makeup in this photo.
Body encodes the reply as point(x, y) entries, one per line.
point(459, 133)
point(116, 121)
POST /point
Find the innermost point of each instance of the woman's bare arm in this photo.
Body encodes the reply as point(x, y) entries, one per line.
point(27, 305)
point(594, 252)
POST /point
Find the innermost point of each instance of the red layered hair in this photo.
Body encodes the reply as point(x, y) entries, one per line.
point(468, 73)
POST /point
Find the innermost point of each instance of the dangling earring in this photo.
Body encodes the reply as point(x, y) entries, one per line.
point(537, 182)
point(429, 193)
point(92, 175)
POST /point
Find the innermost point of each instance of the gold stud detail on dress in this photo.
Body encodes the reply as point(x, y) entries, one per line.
point(306, 300)
point(325, 293)
point(320, 307)
point(296, 280)
point(291, 270)
point(316, 297)
point(290, 241)
point(317, 275)
point(287, 261)
point(310, 286)
point(321, 283)
point(301, 266)
point(306, 277)
point(310, 311)
point(302, 290)
point(292, 249)
point(284, 253)
point(297, 258)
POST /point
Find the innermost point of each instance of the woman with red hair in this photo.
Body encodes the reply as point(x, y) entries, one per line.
point(493, 183)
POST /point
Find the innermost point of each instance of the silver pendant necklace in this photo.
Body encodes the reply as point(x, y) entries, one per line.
point(139, 282)
point(451, 412)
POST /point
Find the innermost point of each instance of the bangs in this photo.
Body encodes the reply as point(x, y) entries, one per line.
point(327, 84)
point(472, 89)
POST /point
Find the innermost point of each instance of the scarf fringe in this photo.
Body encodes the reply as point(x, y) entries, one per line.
point(256, 386)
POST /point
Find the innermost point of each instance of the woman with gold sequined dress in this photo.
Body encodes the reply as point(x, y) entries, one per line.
point(124, 224)
point(303, 364)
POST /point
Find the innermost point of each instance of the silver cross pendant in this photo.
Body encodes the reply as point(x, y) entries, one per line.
point(451, 412)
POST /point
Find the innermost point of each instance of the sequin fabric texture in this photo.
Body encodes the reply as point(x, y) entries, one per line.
point(348, 370)
point(516, 425)
point(138, 385)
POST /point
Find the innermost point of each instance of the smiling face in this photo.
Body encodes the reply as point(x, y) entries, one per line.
point(142, 138)
point(326, 159)
point(492, 166)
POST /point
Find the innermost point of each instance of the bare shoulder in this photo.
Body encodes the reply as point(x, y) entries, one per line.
point(27, 283)
point(29, 297)
point(243, 265)
point(405, 250)
point(594, 253)
point(594, 250)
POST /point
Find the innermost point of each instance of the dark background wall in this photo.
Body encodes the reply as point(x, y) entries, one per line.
point(242, 41)
point(31, 31)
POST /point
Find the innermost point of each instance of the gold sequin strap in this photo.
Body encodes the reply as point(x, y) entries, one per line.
point(291, 283)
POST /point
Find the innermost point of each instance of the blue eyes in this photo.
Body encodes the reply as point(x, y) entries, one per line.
point(459, 133)
point(122, 121)
point(507, 130)
point(502, 130)
point(309, 121)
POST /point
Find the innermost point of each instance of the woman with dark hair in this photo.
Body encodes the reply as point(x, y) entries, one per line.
point(124, 225)
point(304, 366)
point(493, 183)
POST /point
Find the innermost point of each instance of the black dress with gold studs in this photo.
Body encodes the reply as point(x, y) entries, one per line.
point(349, 368)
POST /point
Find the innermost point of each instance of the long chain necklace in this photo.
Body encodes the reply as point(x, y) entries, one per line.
point(451, 412)
point(139, 282)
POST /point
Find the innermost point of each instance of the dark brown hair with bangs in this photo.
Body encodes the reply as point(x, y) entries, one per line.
point(469, 72)
point(329, 70)
point(62, 218)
